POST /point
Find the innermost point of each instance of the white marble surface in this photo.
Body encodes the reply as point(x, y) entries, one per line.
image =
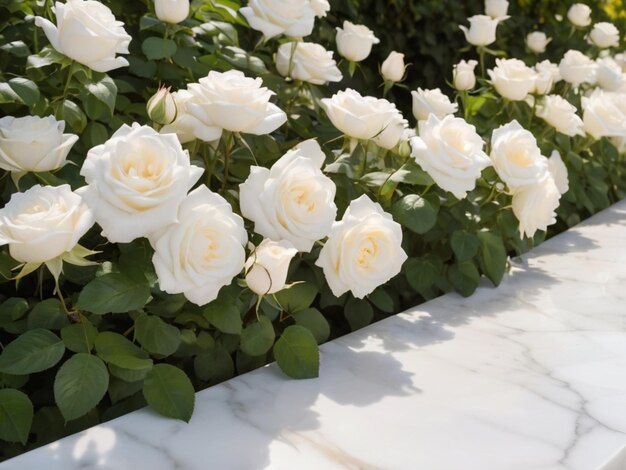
point(531, 375)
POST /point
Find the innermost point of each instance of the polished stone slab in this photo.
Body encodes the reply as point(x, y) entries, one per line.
point(531, 375)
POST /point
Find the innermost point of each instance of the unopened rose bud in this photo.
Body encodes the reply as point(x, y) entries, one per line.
point(392, 68)
point(537, 42)
point(266, 268)
point(171, 11)
point(463, 75)
point(162, 107)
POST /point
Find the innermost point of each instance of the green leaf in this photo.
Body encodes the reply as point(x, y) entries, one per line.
point(465, 245)
point(297, 354)
point(80, 384)
point(105, 91)
point(492, 256)
point(158, 48)
point(110, 344)
point(16, 416)
point(16, 48)
point(71, 113)
point(156, 336)
point(422, 273)
point(12, 309)
point(381, 299)
point(315, 322)
point(297, 297)
point(224, 315)
point(34, 351)
point(26, 89)
point(359, 313)
point(258, 338)
point(216, 365)
point(47, 314)
point(128, 368)
point(464, 277)
point(79, 337)
point(113, 293)
point(168, 390)
point(415, 213)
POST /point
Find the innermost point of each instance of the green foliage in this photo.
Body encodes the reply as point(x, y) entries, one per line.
point(297, 354)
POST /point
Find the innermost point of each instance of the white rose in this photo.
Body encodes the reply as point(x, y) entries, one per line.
point(547, 75)
point(31, 143)
point(172, 11)
point(320, 7)
point(609, 75)
point(534, 206)
point(308, 62)
point(620, 59)
point(364, 117)
point(161, 107)
point(482, 30)
point(537, 42)
point(363, 250)
point(355, 41)
point(293, 200)
point(394, 129)
point(576, 68)
point(604, 35)
point(558, 170)
point(560, 114)
point(602, 114)
point(266, 268)
point(463, 75)
point(203, 250)
point(293, 18)
point(579, 14)
point(427, 102)
point(87, 32)
point(392, 69)
point(186, 126)
point(497, 9)
point(234, 102)
point(43, 222)
point(451, 152)
point(136, 180)
point(516, 156)
point(512, 79)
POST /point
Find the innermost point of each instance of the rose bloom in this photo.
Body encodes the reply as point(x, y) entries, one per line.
point(293, 200)
point(604, 35)
point(463, 75)
point(293, 18)
point(392, 69)
point(535, 205)
point(427, 102)
point(266, 268)
point(309, 62)
point(203, 250)
point(87, 32)
point(558, 170)
point(354, 42)
point(451, 152)
point(482, 30)
point(186, 126)
point(547, 75)
point(609, 75)
point(560, 114)
point(512, 79)
point(43, 222)
point(32, 143)
point(136, 180)
point(234, 102)
point(320, 7)
point(537, 42)
point(576, 68)
point(516, 156)
point(172, 11)
point(363, 250)
point(497, 9)
point(604, 114)
point(579, 15)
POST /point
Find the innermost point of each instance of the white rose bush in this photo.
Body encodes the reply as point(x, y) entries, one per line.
point(191, 190)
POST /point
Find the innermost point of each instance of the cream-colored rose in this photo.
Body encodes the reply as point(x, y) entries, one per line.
point(293, 18)
point(620, 59)
point(234, 102)
point(186, 126)
point(393, 67)
point(136, 180)
point(537, 41)
point(451, 152)
point(320, 7)
point(161, 107)
point(308, 62)
point(560, 114)
point(604, 114)
point(364, 117)
point(579, 15)
point(482, 30)
point(609, 75)
point(363, 250)
point(497, 9)
point(535, 205)
point(516, 156)
point(427, 102)
point(558, 170)
point(87, 32)
point(172, 11)
point(604, 35)
point(203, 250)
point(463, 76)
point(31, 143)
point(355, 41)
point(547, 76)
point(266, 268)
point(43, 222)
point(576, 68)
point(293, 200)
point(512, 79)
